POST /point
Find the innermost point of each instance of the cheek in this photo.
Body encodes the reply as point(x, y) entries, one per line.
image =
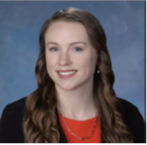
point(50, 62)
point(86, 61)
point(50, 66)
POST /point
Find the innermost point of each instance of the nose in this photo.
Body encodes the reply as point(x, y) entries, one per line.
point(64, 59)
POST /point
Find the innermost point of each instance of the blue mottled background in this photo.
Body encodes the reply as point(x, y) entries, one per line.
point(20, 23)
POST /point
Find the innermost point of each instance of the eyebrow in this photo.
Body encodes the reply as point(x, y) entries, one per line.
point(69, 44)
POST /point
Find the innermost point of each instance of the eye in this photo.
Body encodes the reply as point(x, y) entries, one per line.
point(77, 49)
point(53, 49)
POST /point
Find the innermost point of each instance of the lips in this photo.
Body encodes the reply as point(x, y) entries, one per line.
point(66, 76)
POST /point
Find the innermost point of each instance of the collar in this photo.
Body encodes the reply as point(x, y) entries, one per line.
point(62, 135)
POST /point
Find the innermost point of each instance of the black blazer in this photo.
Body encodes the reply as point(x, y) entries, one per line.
point(11, 123)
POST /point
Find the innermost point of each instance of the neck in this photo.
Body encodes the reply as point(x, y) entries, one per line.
point(77, 104)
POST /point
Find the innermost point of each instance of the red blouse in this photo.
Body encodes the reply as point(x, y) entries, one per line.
point(82, 129)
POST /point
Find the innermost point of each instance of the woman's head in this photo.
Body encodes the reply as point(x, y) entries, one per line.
point(79, 25)
point(70, 58)
point(40, 123)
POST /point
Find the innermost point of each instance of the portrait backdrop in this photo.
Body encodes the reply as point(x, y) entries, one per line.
point(20, 24)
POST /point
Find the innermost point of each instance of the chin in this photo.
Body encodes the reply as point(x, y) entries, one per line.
point(66, 86)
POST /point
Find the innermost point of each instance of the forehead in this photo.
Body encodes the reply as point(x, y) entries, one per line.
point(62, 31)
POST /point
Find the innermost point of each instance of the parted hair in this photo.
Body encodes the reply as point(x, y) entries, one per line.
point(40, 122)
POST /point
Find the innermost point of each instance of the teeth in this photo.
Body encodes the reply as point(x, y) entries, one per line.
point(67, 73)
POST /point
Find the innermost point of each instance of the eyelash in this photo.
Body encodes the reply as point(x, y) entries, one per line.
point(51, 49)
point(78, 48)
point(75, 47)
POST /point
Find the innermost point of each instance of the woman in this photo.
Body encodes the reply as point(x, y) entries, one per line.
point(75, 100)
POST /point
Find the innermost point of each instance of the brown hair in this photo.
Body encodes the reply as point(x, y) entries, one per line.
point(40, 124)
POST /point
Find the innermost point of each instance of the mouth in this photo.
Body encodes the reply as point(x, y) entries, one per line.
point(65, 74)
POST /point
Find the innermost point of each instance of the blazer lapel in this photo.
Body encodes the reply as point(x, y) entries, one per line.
point(62, 135)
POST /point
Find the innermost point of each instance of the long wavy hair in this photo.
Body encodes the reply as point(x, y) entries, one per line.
point(40, 123)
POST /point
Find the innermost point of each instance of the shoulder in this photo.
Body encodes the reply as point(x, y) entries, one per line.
point(134, 120)
point(19, 105)
point(11, 122)
point(130, 111)
point(127, 106)
point(15, 108)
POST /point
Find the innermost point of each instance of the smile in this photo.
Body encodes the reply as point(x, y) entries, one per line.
point(66, 75)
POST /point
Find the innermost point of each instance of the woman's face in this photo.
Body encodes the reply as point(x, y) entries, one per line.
point(70, 58)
